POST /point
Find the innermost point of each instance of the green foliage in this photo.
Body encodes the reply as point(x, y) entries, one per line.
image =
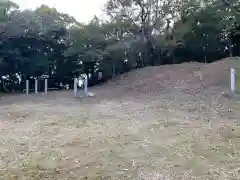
point(139, 33)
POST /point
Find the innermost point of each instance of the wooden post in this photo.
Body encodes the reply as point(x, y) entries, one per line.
point(75, 87)
point(36, 86)
point(46, 86)
point(86, 85)
point(27, 87)
point(233, 80)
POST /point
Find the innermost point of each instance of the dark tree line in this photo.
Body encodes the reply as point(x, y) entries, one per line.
point(45, 43)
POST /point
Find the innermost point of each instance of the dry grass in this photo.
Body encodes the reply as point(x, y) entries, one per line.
point(117, 140)
point(170, 136)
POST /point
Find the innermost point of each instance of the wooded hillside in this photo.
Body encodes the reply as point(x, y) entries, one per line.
point(140, 33)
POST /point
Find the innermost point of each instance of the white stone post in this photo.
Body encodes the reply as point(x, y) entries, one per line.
point(46, 86)
point(36, 86)
point(75, 87)
point(233, 80)
point(27, 87)
point(86, 85)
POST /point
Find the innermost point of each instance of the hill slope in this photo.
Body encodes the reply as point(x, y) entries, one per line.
point(186, 77)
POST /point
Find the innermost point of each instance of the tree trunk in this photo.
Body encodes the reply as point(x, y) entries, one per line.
point(205, 59)
point(152, 49)
point(230, 47)
point(230, 51)
point(141, 60)
point(143, 42)
point(174, 61)
point(114, 70)
point(5, 88)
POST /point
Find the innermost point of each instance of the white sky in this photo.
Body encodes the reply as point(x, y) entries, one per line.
point(82, 10)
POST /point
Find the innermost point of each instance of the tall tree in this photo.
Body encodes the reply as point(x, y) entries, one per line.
point(148, 17)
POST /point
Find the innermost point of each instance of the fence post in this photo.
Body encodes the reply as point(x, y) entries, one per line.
point(233, 80)
point(36, 86)
point(75, 87)
point(46, 86)
point(86, 85)
point(27, 87)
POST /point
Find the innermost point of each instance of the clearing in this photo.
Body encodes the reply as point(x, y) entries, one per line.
point(161, 123)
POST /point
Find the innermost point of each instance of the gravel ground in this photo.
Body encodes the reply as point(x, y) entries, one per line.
point(166, 131)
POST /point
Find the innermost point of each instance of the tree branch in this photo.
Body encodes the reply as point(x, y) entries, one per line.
point(126, 15)
point(228, 3)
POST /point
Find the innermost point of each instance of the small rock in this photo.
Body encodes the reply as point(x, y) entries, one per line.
point(227, 95)
point(90, 94)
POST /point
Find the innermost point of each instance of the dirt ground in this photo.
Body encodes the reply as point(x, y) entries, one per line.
point(157, 123)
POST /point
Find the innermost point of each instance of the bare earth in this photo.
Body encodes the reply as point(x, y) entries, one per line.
point(159, 123)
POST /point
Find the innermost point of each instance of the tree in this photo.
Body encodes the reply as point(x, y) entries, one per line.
point(147, 16)
point(34, 42)
point(234, 5)
point(139, 33)
point(87, 43)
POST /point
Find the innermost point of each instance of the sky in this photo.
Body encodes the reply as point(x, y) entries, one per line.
point(82, 10)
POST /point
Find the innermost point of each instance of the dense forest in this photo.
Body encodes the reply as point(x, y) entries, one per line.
point(137, 33)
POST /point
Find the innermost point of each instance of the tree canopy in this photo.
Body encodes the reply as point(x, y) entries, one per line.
point(44, 42)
